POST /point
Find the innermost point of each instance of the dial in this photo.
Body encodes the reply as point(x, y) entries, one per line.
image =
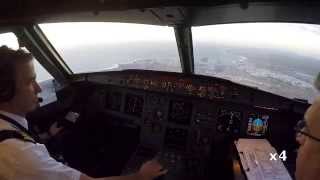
point(229, 122)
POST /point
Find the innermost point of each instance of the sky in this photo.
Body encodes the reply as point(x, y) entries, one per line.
point(9, 39)
point(301, 38)
point(73, 34)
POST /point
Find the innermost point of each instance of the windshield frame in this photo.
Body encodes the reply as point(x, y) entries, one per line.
point(171, 42)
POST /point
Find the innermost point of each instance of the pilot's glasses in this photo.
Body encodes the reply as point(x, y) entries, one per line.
point(302, 128)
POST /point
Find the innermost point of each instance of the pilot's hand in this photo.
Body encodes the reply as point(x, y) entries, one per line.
point(151, 169)
point(54, 129)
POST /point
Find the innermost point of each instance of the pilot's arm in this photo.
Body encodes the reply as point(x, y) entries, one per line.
point(29, 161)
point(53, 130)
point(148, 171)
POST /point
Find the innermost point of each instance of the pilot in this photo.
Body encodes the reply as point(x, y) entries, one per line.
point(20, 156)
point(308, 136)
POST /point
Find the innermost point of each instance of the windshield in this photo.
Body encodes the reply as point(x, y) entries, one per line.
point(100, 46)
point(277, 57)
point(281, 58)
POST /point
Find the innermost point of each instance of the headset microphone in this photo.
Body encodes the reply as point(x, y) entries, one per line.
point(40, 99)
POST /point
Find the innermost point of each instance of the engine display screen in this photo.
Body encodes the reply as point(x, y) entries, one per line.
point(257, 124)
point(113, 101)
point(180, 112)
point(134, 105)
point(229, 121)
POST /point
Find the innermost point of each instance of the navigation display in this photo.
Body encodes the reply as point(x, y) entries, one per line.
point(134, 105)
point(180, 112)
point(113, 101)
point(257, 124)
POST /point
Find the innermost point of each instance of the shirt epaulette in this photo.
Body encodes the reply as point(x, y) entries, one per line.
point(13, 134)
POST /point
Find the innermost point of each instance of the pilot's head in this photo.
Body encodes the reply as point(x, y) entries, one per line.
point(308, 160)
point(18, 86)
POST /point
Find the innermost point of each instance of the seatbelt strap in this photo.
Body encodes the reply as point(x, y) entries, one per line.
point(13, 134)
point(21, 130)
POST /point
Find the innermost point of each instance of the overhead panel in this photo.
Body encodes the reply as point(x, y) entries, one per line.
point(255, 12)
point(170, 15)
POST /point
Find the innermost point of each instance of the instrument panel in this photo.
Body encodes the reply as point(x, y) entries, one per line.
point(178, 126)
point(200, 107)
point(187, 116)
point(180, 112)
point(134, 105)
point(229, 121)
point(195, 86)
point(182, 124)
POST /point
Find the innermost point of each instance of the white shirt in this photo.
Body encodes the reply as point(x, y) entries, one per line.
point(28, 161)
point(21, 120)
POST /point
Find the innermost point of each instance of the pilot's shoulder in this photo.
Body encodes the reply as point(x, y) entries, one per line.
point(10, 148)
point(4, 125)
point(316, 103)
point(12, 145)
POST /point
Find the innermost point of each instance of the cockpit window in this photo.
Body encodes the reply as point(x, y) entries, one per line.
point(101, 46)
point(42, 74)
point(282, 58)
point(9, 39)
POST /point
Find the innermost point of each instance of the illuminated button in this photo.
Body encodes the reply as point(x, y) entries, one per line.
point(159, 113)
point(205, 140)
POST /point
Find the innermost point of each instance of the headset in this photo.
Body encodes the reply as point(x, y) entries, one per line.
point(8, 60)
point(7, 80)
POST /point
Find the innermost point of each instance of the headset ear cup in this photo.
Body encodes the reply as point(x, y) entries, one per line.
point(7, 90)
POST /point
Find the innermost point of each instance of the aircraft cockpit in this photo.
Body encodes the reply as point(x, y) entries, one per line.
point(187, 83)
